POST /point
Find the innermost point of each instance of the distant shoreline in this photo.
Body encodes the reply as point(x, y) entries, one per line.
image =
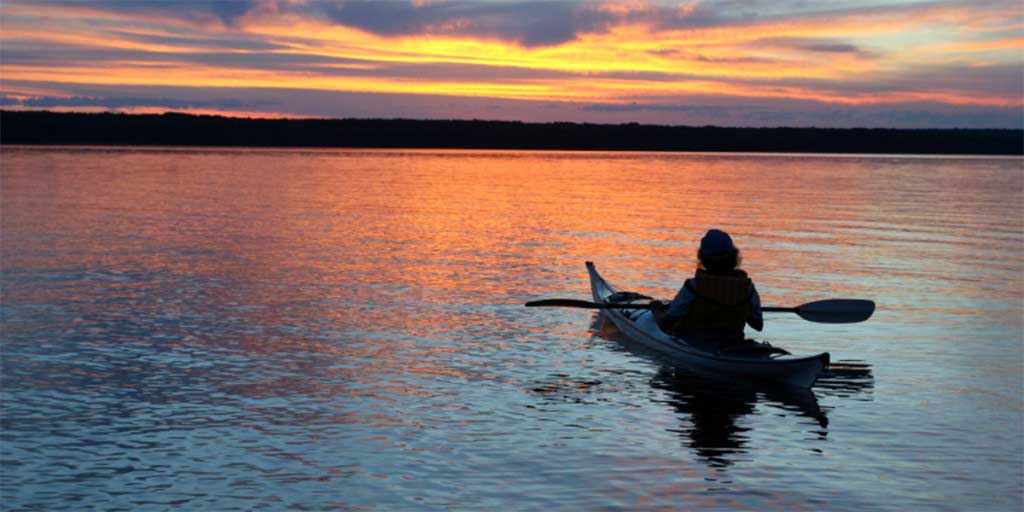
point(172, 129)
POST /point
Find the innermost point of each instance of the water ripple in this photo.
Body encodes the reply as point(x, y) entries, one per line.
point(310, 330)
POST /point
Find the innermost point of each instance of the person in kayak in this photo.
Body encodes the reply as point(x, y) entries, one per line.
point(713, 307)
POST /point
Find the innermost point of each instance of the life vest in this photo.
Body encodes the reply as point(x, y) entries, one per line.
point(721, 302)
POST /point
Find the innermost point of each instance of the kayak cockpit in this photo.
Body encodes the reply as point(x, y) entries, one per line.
point(755, 360)
point(747, 348)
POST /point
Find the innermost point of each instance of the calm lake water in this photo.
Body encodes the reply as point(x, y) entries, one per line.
point(234, 329)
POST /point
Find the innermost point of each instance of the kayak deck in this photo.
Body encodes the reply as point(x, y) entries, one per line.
point(640, 325)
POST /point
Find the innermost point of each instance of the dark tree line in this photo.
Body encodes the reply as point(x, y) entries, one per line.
point(17, 127)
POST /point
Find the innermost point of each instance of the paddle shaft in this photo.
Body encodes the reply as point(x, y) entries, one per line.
point(838, 311)
point(574, 303)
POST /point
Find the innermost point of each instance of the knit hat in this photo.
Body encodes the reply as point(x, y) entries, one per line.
point(716, 244)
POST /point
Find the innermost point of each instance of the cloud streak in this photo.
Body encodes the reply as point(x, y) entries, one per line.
point(614, 61)
point(115, 103)
point(697, 110)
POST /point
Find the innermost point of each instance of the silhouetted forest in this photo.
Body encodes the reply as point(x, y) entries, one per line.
point(173, 129)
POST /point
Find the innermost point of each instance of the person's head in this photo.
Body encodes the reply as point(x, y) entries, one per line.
point(717, 254)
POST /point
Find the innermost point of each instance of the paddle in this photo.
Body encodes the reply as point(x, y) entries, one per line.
point(830, 311)
point(573, 303)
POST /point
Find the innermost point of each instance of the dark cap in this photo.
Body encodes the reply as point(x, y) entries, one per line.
point(716, 244)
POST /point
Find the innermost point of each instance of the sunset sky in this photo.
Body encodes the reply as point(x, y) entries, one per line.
point(881, 63)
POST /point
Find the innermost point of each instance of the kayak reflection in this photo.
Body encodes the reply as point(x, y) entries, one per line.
point(711, 407)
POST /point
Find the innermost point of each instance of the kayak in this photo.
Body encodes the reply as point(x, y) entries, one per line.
point(765, 365)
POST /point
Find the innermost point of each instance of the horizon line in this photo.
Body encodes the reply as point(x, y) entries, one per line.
point(225, 115)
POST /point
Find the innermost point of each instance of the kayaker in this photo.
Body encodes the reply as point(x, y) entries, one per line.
point(714, 306)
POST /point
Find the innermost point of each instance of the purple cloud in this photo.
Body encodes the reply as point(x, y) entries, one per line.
point(528, 23)
point(816, 45)
point(693, 110)
point(116, 102)
point(226, 13)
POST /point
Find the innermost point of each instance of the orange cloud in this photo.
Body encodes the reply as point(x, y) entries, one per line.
point(629, 56)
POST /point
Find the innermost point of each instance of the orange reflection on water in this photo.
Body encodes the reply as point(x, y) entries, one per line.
point(355, 316)
point(412, 260)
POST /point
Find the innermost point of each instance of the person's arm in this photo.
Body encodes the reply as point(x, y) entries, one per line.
point(756, 318)
point(658, 312)
point(676, 309)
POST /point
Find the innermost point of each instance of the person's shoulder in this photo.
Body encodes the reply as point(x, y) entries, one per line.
point(750, 282)
point(686, 290)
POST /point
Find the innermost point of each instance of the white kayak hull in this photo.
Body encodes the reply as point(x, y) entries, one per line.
point(640, 326)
